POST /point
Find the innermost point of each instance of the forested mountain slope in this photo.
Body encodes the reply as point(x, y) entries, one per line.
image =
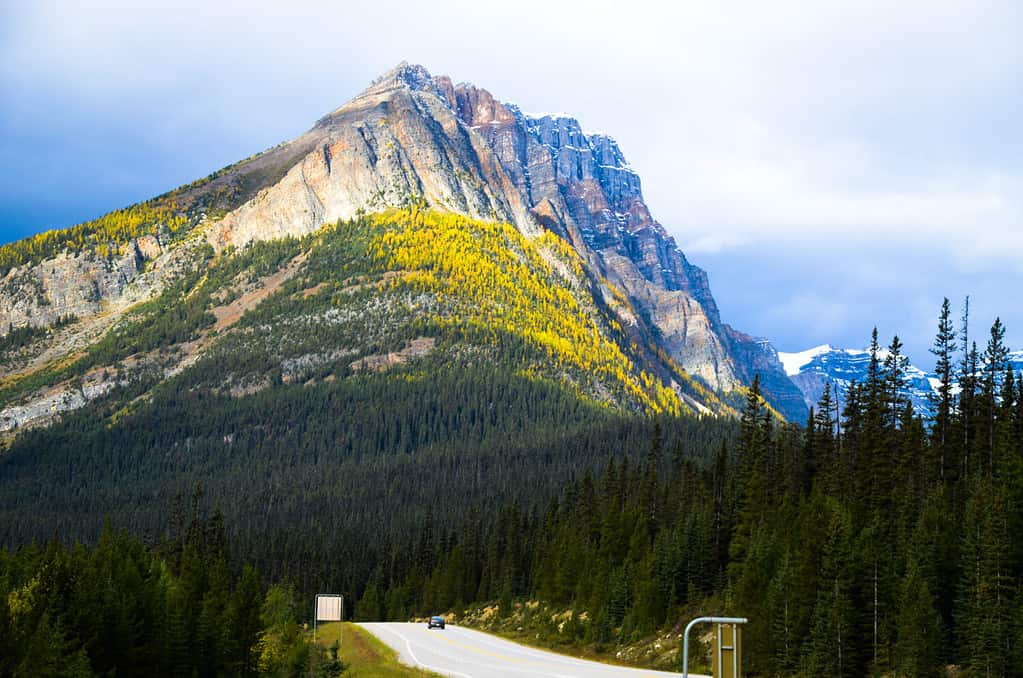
point(381, 348)
point(397, 368)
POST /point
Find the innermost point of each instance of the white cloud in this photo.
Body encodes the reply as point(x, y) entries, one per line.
point(827, 127)
point(799, 196)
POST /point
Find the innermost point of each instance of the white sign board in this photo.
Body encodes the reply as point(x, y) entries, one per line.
point(328, 607)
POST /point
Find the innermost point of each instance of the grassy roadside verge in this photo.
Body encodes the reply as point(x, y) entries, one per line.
point(364, 654)
point(538, 625)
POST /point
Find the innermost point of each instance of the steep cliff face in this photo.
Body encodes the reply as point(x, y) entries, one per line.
point(581, 186)
point(393, 144)
point(414, 140)
point(82, 284)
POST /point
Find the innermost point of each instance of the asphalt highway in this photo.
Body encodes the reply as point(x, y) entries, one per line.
point(464, 653)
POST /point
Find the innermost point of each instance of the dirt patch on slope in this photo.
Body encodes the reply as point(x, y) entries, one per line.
point(231, 313)
point(314, 290)
point(416, 348)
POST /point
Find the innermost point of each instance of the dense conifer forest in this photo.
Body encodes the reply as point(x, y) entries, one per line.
point(869, 542)
point(181, 607)
point(315, 459)
point(320, 482)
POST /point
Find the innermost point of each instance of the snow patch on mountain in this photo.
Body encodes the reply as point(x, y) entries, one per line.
point(795, 362)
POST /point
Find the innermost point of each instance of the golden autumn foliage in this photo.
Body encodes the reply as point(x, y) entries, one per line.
point(499, 283)
point(105, 235)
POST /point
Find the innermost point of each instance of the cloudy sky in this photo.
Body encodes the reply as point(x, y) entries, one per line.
point(833, 165)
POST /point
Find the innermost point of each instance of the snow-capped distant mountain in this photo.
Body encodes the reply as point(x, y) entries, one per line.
point(811, 369)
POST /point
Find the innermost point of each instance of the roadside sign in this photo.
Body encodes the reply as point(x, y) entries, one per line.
point(329, 607)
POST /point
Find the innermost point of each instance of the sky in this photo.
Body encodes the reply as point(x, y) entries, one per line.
point(832, 165)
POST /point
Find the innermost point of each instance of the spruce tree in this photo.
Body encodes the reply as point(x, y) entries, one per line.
point(48, 653)
point(895, 366)
point(944, 349)
point(984, 607)
point(785, 621)
point(995, 359)
point(751, 441)
point(967, 392)
point(244, 623)
point(830, 648)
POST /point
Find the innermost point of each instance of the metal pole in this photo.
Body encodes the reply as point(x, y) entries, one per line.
point(703, 620)
point(735, 651)
point(718, 649)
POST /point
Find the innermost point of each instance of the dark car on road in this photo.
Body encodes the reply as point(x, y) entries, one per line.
point(437, 622)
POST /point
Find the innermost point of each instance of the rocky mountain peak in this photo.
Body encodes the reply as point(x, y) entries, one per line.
point(411, 137)
point(411, 76)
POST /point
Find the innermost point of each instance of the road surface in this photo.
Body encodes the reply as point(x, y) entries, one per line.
point(464, 653)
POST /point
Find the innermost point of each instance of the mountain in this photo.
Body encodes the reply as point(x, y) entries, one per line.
point(427, 305)
point(811, 369)
point(409, 141)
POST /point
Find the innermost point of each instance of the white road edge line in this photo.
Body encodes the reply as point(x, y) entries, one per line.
point(425, 666)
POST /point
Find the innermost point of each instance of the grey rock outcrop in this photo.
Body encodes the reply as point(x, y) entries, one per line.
point(67, 285)
point(396, 142)
point(83, 284)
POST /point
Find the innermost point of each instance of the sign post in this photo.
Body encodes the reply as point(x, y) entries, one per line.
point(727, 659)
point(329, 607)
point(728, 651)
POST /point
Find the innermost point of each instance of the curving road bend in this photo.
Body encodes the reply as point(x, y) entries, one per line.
point(464, 653)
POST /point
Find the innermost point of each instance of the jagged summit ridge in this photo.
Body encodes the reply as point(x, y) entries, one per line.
point(553, 163)
point(405, 75)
